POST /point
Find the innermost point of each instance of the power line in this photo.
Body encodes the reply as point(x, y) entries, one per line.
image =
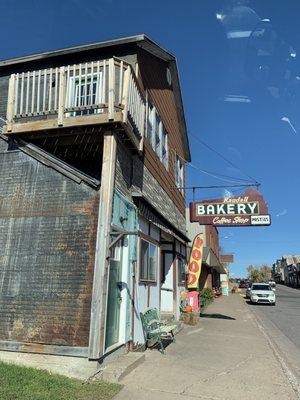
point(225, 178)
point(216, 175)
point(223, 157)
point(216, 186)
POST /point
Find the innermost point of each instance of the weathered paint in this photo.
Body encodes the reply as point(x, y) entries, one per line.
point(47, 246)
point(125, 218)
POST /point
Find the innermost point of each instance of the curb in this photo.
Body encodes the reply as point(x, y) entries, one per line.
point(279, 355)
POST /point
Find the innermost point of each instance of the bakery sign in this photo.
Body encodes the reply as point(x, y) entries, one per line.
point(249, 209)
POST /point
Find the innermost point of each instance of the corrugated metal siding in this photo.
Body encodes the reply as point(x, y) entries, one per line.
point(3, 95)
point(47, 246)
point(152, 76)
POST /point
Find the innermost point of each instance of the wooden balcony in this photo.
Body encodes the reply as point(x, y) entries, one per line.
point(95, 93)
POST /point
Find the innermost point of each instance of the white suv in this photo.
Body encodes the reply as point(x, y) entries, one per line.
point(262, 293)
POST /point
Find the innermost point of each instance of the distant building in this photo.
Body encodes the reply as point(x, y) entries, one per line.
point(287, 270)
point(278, 271)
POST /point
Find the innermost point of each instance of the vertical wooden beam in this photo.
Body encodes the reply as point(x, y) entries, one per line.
point(27, 93)
point(61, 96)
point(125, 94)
point(111, 89)
point(22, 93)
point(11, 102)
point(101, 271)
point(33, 92)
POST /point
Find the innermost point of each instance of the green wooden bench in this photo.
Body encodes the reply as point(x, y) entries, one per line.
point(155, 330)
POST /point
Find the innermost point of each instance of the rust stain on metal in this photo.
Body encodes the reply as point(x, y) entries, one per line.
point(63, 320)
point(85, 299)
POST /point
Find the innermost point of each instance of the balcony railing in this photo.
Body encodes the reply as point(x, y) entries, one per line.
point(82, 94)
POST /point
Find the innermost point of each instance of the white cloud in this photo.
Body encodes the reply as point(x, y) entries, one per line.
point(281, 213)
point(227, 193)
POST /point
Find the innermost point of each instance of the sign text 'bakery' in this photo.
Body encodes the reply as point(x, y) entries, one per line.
point(250, 209)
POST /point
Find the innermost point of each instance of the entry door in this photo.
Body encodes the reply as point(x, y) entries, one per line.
point(113, 304)
point(167, 288)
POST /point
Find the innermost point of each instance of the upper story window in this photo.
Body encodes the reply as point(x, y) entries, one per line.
point(157, 135)
point(158, 127)
point(164, 148)
point(179, 173)
point(84, 91)
point(150, 124)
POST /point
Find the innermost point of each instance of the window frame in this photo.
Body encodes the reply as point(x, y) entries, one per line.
point(179, 175)
point(150, 122)
point(146, 280)
point(164, 145)
point(181, 261)
point(75, 83)
point(157, 135)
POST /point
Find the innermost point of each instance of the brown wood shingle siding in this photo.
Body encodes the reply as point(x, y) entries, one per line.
point(153, 78)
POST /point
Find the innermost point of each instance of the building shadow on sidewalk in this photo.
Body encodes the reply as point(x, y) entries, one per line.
point(217, 316)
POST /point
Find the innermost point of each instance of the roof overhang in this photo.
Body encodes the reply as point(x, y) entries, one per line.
point(150, 213)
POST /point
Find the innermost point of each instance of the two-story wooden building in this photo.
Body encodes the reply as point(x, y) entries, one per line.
point(93, 231)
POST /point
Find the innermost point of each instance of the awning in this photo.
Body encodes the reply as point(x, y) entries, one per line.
point(147, 211)
point(210, 258)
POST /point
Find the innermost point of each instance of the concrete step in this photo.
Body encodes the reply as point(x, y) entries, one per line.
point(118, 369)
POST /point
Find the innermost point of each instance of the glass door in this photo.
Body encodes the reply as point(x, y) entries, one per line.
point(167, 287)
point(114, 297)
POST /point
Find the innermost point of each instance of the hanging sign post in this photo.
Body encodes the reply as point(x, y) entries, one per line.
point(249, 209)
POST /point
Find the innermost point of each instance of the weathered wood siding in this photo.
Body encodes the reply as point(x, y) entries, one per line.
point(47, 246)
point(133, 175)
point(153, 77)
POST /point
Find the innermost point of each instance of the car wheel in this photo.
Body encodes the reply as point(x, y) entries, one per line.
point(273, 304)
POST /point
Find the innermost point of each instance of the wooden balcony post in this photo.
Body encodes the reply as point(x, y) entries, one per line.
point(125, 93)
point(101, 270)
point(61, 96)
point(11, 102)
point(111, 89)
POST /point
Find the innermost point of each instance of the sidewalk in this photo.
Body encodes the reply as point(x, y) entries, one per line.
point(224, 357)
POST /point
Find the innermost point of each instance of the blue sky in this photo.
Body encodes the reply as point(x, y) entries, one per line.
point(213, 67)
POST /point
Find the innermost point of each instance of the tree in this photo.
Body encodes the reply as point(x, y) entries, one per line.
point(260, 273)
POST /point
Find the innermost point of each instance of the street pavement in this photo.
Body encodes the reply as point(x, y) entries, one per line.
point(282, 324)
point(227, 356)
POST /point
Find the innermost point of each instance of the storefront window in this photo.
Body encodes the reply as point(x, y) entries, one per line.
point(181, 271)
point(148, 266)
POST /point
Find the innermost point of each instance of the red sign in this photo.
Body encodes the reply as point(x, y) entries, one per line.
point(248, 209)
point(226, 258)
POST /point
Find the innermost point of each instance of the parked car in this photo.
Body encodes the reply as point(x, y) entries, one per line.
point(248, 293)
point(243, 285)
point(262, 293)
point(273, 285)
